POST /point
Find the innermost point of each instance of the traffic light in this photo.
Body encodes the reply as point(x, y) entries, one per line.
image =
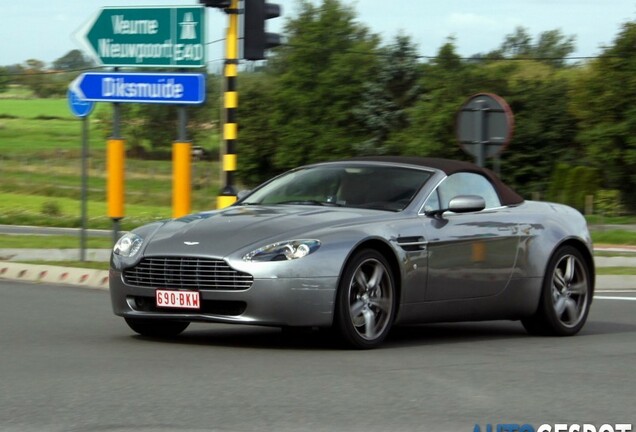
point(223, 4)
point(255, 39)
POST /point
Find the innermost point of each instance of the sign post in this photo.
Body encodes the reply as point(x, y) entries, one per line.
point(141, 37)
point(82, 109)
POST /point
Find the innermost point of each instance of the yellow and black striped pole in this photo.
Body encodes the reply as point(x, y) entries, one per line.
point(227, 196)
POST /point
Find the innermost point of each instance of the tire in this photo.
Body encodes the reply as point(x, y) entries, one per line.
point(157, 328)
point(565, 297)
point(366, 299)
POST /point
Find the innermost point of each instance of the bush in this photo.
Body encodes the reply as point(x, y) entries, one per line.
point(571, 184)
point(51, 208)
point(608, 203)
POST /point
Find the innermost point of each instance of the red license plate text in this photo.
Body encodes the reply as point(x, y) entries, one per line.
point(178, 299)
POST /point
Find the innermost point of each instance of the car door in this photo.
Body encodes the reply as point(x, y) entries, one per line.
point(472, 254)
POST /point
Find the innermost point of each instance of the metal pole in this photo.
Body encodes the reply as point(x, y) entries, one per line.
point(479, 133)
point(84, 192)
point(182, 134)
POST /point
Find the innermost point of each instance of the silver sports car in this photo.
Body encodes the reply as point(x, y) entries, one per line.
point(361, 245)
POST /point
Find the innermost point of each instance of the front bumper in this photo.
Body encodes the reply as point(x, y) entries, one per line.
point(272, 302)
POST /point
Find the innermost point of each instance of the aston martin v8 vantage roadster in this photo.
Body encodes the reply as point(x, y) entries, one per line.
point(359, 246)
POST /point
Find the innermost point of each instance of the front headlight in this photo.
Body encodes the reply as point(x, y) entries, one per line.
point(128, 245)
point(283, 251)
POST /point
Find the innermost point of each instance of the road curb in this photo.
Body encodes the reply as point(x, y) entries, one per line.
point(88, 278)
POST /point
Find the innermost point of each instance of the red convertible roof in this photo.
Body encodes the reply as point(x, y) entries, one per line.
point(507, 195)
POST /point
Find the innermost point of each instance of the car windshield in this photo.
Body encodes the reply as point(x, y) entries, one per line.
point(368, 186)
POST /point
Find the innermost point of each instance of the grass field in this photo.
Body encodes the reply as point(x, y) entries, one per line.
point(618, 237)
point(51, 242)
point(41, 108)
point(40, 169)
point(36, 126)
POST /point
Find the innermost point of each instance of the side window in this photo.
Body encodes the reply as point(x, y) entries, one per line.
point(466, 184)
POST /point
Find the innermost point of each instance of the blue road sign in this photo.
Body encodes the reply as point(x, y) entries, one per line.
point(78, 106)
point(161, 88)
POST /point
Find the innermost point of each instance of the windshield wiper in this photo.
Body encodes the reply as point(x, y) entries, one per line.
point(311, 202)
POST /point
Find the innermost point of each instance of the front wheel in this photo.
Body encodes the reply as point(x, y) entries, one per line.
point(365, 306)
point(156, 328)
point(566, 295)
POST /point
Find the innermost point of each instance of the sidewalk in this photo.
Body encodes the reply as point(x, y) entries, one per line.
point(90, 278)
point(49, 274)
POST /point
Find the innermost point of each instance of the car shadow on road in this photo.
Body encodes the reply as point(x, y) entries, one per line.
point(446, 333)
point(450, 333)
point(327, 339)
point(401, 336)
point(255, 337)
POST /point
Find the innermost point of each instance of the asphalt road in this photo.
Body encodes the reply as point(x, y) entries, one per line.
point(67, 364)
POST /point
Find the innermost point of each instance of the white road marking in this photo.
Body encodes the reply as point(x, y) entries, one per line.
point(615, 290)
point(614, 298)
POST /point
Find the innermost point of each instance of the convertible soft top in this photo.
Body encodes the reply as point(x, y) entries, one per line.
point(507, 195)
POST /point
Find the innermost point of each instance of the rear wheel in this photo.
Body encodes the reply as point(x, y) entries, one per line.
point(566, 296)
point(365, 306)
point(156, 328)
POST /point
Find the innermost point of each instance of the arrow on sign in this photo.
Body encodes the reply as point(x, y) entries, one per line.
point(162, 88)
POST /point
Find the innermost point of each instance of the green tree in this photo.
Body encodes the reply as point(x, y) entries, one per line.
point(602, 100)
point(395, 88)
point(73, 60)
point(41, 81)
point(321, 78)
point(34, 77)
point(517, 44)
point(551, 46)
point(446, 82)
point(537, 93)
point(257, 136)
point(545, 130)
point(5, 79)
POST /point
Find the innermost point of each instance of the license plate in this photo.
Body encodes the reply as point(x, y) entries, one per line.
point(178, 299)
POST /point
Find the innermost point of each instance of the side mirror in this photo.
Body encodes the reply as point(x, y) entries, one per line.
point(466, 204)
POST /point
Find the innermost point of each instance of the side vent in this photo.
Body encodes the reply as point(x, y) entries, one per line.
point(412, 244)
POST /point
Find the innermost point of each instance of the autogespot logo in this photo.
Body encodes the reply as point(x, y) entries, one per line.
point(557, 427)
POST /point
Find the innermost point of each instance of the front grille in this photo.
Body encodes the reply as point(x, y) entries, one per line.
point(186, 273)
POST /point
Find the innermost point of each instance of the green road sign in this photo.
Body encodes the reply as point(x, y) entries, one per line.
point(147, 36)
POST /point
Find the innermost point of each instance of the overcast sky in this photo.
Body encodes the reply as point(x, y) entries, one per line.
point(44, 29)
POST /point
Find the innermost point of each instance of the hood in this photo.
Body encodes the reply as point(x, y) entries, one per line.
point(221, 233)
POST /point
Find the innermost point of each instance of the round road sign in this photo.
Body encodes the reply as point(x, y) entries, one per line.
point(79, 107)
point(484, 125)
